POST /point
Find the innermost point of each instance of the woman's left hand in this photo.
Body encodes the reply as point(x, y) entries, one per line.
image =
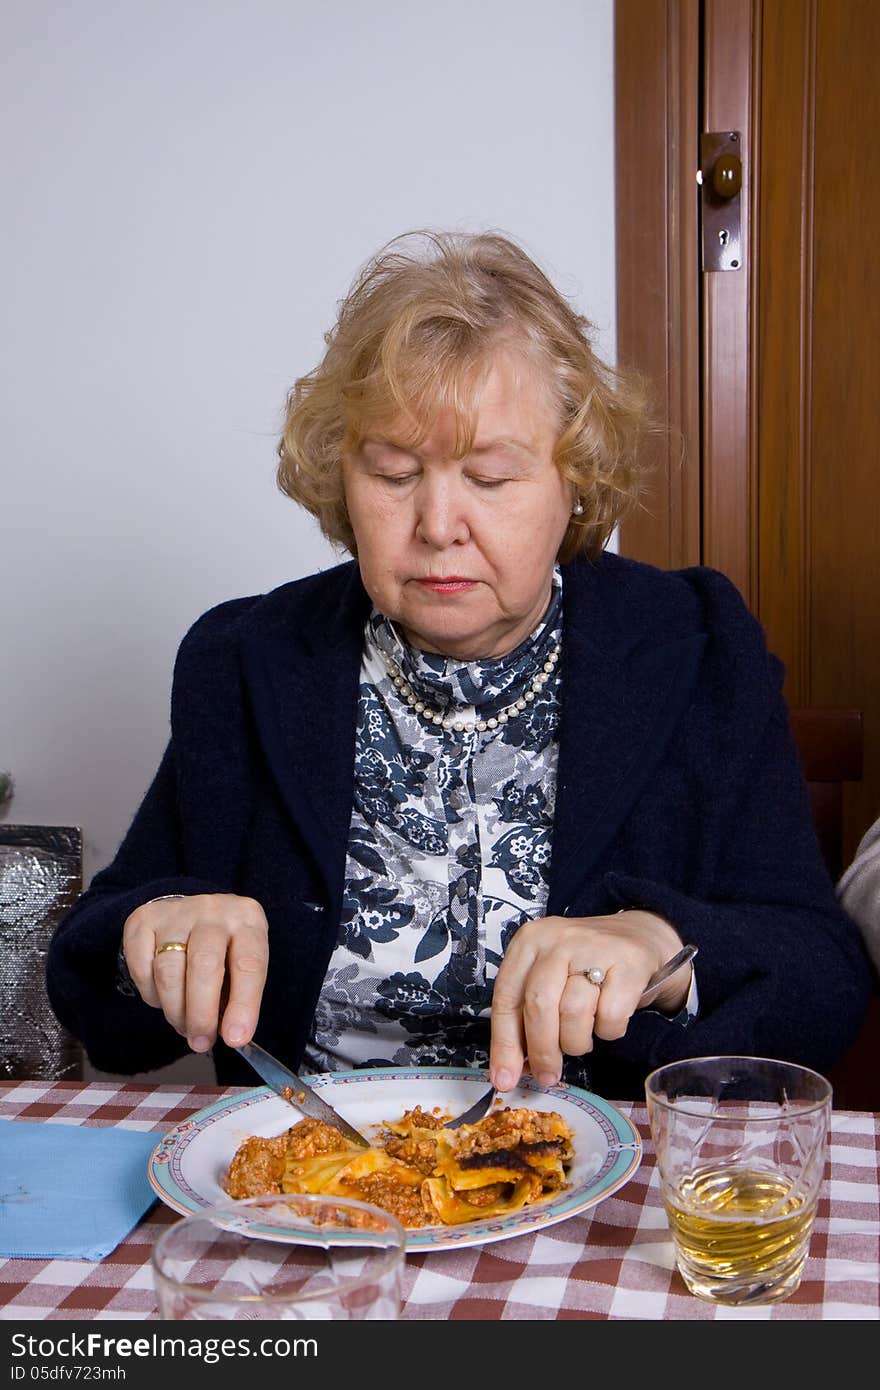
point(543, 1005)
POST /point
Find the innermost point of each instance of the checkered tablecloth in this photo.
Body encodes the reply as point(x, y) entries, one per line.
point(613, 1262)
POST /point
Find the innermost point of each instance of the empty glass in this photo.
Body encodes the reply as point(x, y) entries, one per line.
point(281, 1257)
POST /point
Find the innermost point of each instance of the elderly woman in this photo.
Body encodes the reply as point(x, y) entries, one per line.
point(454, 801)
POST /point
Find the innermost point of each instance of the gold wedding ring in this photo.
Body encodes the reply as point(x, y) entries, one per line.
point(170, 946)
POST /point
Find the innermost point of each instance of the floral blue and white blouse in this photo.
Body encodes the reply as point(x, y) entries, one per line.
point(448, 848)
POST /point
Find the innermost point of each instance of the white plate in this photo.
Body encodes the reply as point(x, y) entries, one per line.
point(187, 1167)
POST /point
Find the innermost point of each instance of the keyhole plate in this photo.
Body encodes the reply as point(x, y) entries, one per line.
point(720, 218)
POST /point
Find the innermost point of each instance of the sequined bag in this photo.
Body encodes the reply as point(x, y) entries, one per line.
point(40, 878)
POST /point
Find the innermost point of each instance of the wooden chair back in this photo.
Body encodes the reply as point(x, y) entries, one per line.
point(830, 745)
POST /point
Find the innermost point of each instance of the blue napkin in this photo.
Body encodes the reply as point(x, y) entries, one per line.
point(70, 1191)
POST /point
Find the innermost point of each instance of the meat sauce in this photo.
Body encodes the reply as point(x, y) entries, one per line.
point(411, 1157)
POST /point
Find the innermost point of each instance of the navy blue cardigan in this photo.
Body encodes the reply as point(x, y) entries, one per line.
point(679, 790)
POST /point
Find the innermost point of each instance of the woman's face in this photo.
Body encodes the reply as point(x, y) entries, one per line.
point(460, 552)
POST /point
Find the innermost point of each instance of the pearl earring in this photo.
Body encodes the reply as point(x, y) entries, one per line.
point(578, 508)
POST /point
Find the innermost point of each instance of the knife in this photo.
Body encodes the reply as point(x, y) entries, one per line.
point(292, 1088)
point(660, 976)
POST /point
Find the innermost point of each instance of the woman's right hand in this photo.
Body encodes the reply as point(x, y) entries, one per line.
point(215, 984)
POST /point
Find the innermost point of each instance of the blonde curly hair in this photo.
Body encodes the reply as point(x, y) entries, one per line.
point(417, 333)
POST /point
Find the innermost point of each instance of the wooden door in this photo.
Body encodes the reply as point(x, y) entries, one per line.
point(769, 376)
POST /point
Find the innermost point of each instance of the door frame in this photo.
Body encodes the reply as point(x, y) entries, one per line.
point(682, 67)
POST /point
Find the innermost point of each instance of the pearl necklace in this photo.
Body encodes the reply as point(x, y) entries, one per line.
point(453, 724)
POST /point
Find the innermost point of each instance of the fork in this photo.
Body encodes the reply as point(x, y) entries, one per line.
point(481, 1106)
point(476, 1112)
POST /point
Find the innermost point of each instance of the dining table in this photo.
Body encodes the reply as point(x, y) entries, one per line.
point(613, 1261)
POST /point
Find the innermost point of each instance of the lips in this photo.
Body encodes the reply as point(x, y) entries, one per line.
point(447, 584)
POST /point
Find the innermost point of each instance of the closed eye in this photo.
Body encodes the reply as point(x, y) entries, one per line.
point(395, 479)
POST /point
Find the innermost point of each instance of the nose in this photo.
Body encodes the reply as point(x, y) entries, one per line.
point(441, 520)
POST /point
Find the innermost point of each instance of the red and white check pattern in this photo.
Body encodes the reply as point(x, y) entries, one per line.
point(613, 1262)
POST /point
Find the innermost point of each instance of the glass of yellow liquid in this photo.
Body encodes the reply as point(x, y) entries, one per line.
point(741, 1145)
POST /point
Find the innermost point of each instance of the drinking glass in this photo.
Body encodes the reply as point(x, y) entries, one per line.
point(740, 1145)
point(281, 1257)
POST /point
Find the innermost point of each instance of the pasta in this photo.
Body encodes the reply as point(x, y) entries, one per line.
point(421, 1172)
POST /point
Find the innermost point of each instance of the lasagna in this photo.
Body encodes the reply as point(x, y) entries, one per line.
point(420, 1171)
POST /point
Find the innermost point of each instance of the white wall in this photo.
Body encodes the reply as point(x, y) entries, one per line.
point(189, 189)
